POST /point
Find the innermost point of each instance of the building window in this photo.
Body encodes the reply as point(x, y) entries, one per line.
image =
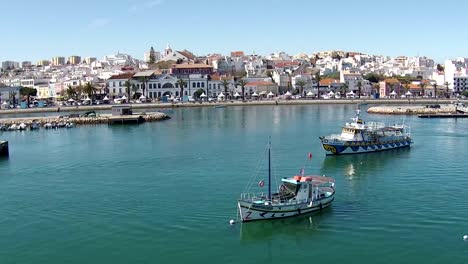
point(120, 90)
point(159, 85)
point(176, 85)
point(203, 85)
point(209, 85)
point(176, 93)
point(186, 93)
point(193, 85)
point(113, 84)
point(159, 94)
point(198, 85)
point(113, 90)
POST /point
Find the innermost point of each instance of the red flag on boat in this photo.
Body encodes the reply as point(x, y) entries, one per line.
point(310, 155)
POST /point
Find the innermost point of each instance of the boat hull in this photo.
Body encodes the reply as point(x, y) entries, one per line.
point(254, 212)
point(4, 149)
point(340, 148)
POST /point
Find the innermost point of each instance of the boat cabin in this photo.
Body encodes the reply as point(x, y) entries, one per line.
point(304, 188)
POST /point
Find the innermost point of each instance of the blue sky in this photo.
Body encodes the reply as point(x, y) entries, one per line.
point(34, 30)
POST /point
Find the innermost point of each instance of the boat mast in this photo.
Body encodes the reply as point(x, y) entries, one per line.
point(269, 169)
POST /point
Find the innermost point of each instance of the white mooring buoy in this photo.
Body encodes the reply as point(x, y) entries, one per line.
point(231, 222)
point(465, 237)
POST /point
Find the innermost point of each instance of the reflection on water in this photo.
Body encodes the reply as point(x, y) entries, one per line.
point(292, 227)
point(361, 164)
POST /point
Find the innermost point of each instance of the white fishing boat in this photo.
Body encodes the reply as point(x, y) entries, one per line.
point(361, 137)
point(292, 197)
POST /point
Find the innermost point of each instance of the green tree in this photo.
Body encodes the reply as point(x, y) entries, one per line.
point(225, 84)
point(270, 75)
point(422, 84)
point(440, 68)
point(78, 91)
point(447, 84)
point(182, 84)
point(344, 89)
point(71, 92)
point(407, 87)
point(359, 85)
point(152, 57)
point(318, 78)
point(12, 95)
point(301, 83)
point(135, 91)
point(374, 77)
point(242, 83)
point(144, 80)
point(89, 89)
point(198, 93)
point(128, 87)
point(28, 92)
point(434, 85)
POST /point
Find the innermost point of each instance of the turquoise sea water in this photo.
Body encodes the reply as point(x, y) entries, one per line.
point(164, 192)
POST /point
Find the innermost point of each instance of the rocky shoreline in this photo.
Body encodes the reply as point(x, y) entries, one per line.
point(231, 103)
point(411, 110)
point(32, 123)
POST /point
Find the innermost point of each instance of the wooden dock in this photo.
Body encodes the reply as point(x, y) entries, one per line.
point(443, 116)
point(4, 149)
point(125, 119)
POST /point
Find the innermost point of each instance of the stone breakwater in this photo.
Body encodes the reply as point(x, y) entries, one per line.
point(59, 121)
point(411, 110)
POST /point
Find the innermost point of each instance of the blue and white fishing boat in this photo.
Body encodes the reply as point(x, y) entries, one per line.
point(361, 137)
point(292, 197)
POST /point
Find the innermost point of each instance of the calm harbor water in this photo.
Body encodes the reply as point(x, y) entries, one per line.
point(164, 192)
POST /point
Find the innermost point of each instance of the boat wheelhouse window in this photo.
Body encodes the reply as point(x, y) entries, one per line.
point(291, 187)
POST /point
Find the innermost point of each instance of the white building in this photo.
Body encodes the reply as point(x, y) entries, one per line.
point(460, 84)
point(8, 65)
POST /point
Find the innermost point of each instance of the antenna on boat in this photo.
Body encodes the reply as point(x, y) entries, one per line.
point(269, 168)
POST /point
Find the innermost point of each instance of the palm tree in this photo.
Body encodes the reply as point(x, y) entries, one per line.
point(343, 89)
point(422, 84)
point(135, 91)
point(434, 85)
point(71, 92)
point(128, 84)
point(270, 75)
point(182, 84)
point(407, 87)
point(301, 83)
point(447, 84)
point(78, 91)
point(226, 85)
point(242, 83)
point(89, 89)
point(13, 98)
point(359, 85)
point(144, 80)
point(317, 79)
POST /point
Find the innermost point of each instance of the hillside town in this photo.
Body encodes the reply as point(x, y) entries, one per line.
point(180, 75)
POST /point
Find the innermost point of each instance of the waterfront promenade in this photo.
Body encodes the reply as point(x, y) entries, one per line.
point(234, 103)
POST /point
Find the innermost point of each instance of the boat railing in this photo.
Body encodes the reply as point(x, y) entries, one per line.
point(332, 138)
point(252, 196)
point(375, 125)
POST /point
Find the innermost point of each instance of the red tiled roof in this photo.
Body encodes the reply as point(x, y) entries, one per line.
point(122, 76)
point(391, 80)
point(328, 81)
point(237, 54)
point(191, 66)
point(187, 54)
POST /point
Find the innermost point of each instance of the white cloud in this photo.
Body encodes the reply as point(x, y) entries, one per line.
point(99, 23)
point(153, 3)
point(146, 5)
